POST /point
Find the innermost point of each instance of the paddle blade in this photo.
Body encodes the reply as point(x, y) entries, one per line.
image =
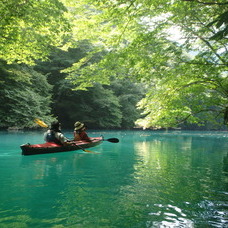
point(40, 123)
point(113, 140)
point(92, 152)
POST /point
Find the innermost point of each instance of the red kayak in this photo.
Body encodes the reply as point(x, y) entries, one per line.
point(48, 147)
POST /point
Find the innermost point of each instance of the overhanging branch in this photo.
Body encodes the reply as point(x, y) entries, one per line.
point(213, 64)
point(203, 110)
point(207, 3)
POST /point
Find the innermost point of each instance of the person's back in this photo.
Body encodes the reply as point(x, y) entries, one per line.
point(50, 136)
point(55, 135)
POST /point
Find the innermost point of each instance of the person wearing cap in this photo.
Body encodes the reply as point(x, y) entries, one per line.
point(55, 135)
point(79, 132)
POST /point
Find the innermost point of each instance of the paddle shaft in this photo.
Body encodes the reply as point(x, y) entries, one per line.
point(82, 148)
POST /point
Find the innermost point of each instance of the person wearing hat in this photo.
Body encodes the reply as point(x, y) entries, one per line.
point(79, 132)
point(55, 135)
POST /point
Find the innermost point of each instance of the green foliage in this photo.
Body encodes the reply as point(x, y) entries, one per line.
point(29, 28)
point(23, 99)
point(111, 106)
point(129, 95)
point(59, 60)
point(186, 76)
point(97, 107)
point(102, 106)
point(221, 22)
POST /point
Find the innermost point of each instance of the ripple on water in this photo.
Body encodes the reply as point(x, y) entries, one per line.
point(168, 216)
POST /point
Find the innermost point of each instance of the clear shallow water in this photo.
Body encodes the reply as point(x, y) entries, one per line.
point(149, 179)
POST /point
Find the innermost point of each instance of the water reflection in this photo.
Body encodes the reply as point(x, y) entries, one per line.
point(149, 179)
point(225, 164)
point(181, 170)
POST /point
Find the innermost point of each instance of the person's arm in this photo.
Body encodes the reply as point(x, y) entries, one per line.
point(62, 138)
point(45, 136)
point(76, 136)
point(85, 137)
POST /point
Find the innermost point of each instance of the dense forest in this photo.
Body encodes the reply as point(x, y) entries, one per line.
point(114, 64)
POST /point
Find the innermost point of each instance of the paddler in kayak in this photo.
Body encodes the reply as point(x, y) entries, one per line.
point(79, 132)
point(55, 135)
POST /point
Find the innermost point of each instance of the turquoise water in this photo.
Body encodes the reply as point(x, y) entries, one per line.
point(148, 179)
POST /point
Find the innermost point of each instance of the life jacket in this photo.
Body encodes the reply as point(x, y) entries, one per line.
point(50, 137)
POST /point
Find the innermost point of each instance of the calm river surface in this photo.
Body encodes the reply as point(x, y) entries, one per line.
point(148, 179)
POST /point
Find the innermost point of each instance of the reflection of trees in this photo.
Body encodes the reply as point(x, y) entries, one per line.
point(95, 198)
point(166, 164)
point(180, 169)
point(46, 180)
point(154, 178)
point(149, 178)
point(225, 164)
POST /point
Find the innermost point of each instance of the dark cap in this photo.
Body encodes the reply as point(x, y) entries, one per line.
point(55, 125)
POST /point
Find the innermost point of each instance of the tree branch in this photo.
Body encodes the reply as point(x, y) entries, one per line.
point(215, 83)
point(207, 3)
point(210, 64)
point(206, 42)
point(203, 110)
